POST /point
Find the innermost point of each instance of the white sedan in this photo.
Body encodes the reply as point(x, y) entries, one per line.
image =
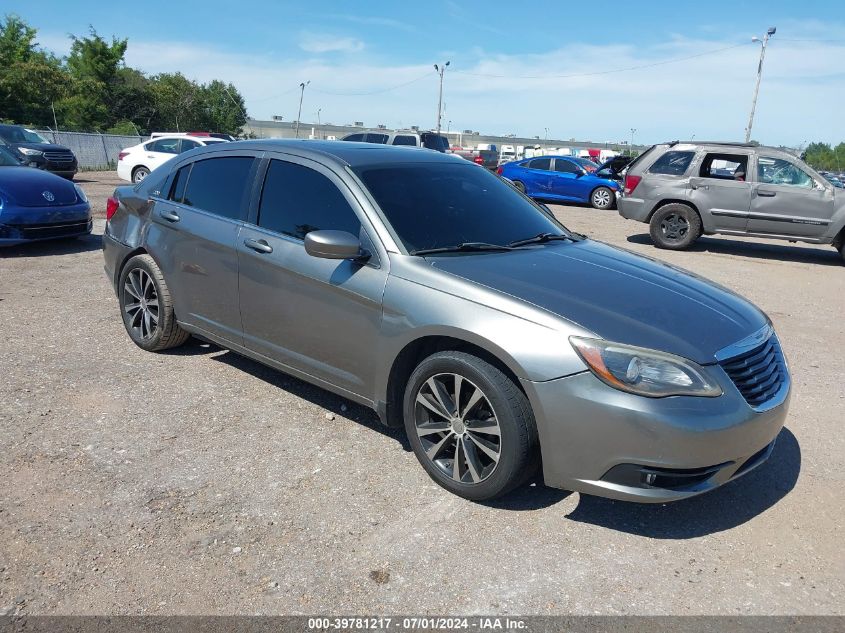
point(135, 163)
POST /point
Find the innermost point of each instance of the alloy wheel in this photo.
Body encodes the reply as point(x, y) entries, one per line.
point(674, 227)
point(601, 198)
point(140, 302)
point(457, 428)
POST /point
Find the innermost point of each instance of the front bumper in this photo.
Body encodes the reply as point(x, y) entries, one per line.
point(65, 223)
point(598, 440)
point(64, 168)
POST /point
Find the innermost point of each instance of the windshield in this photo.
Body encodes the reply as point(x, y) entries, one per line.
point(437, 205)
point(14, 134)
point(7, 158)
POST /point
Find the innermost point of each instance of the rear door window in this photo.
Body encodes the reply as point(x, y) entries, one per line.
point(188, 144)
point(164, 145)
point(297, 200)
point(540, 163)
point(219, 185)
point(355, 137)
point(377, 138)
point(672, 163)
point(405, 140)
point(724, 167)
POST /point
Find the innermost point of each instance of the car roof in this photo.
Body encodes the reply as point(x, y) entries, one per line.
point(349, 153)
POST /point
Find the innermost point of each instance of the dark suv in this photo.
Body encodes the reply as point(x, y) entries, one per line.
point(37, 151)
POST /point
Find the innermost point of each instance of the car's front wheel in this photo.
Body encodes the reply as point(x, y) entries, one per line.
point(602, 198)
point(674, 226)
point(470, 426)
point(146, 306)
point(139, 173)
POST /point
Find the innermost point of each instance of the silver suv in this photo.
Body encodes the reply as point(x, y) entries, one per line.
point(685, 189)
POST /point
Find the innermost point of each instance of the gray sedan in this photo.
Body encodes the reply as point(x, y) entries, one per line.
point(430, 290)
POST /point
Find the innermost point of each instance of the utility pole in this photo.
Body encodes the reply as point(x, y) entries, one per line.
point(633, 130)
point(319, 125)
point(772, 30)
point(301, 95)
point(441, 70)
point(546, 138)
point(55, 123)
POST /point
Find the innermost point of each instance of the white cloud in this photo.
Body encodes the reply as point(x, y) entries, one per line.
point(327, 43)
point(800, 98)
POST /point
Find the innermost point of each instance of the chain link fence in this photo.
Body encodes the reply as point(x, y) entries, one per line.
point(93, 151)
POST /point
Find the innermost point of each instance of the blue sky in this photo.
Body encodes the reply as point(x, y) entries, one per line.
point(515, 67)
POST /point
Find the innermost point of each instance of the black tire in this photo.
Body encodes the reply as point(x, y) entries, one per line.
point(602, 198)
point(519, 186)
point(675, 226)
point(139, 173)
point(501, 401)
point(144, 279)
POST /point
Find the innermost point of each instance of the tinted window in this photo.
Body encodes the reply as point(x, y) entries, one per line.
point(405, 140)
point(297, 200)
point(218, 185)
point(177, 190)
point(672, 163)
point(444, 204)
point(165, 145)
point(355, 137)
point(377, 138)
point(541, 163)
point(776, 171)
point(566, 166)
point(435, 142)
point(724, 166)
point(188, 144)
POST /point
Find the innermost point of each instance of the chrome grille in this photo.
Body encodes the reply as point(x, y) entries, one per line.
point(59, 157)
point(758, 373)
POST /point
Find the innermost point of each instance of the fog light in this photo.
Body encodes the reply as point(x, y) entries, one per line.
point(650, 478)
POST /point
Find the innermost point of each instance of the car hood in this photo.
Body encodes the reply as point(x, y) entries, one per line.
point(43, 147)
point(620, 296)
point(29, 187)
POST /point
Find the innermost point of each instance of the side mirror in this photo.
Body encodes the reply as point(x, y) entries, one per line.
point(583, 172)
point(333, 245)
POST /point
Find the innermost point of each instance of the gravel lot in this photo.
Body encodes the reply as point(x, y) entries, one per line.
point(201, 482)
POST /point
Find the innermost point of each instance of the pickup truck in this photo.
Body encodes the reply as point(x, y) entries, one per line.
point(488, 158)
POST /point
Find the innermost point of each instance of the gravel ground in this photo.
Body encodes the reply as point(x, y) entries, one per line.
point(201, 482)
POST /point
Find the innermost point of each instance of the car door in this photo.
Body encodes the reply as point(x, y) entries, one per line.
point(566, 180)
point(159, 151)
point(193, 235)
point(787, 200)
point(537, 176)
point(721, 191)
point(320, 316)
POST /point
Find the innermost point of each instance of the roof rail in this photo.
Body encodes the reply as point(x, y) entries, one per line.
point(725, 143)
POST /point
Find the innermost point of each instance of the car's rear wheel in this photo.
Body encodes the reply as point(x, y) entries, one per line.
point(602, 198)
point(470, 426)
point(519, 185)
point(139, 173)
point(146, 306)
point(674, 226)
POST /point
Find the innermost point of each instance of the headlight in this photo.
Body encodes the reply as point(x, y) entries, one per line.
point(80, 194)
point(644, 372)
point(30, 152)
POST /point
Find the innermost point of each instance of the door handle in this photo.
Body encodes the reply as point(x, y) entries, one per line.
point(170, 216)
point(766, 194)
point(259, 246)
point(150, 156)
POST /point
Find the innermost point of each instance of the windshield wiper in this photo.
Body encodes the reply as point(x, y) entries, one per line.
point(463, 247)
point(541, 238)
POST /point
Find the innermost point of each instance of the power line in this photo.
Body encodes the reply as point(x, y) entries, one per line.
point(787, 39)
point(372, 92)
point(606, 72)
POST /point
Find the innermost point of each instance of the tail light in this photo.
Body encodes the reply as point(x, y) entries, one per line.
point(122, 155)
point(111, 206)
point(631, 183)
point(500, 170)
point(478, 160)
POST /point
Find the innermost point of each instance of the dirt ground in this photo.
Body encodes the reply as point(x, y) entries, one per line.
point(199, 482)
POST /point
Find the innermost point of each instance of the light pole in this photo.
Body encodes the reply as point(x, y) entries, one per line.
point(299, 114)
point(546, 138)
point(633, 130)
point(319, 125)
point(441, 70)
point(772, 30)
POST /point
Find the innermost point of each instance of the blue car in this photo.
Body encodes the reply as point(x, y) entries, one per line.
point(37, 205)
point(563, 178)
